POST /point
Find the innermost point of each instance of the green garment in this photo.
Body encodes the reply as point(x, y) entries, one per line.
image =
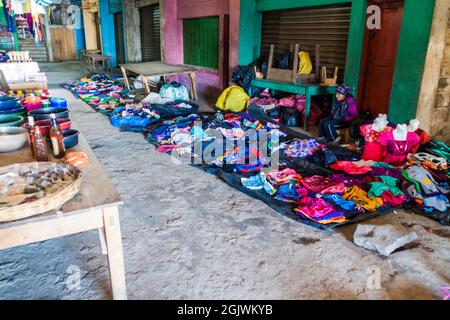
point(387, 184)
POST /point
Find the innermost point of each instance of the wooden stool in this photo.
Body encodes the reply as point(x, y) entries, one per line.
point(345, 132)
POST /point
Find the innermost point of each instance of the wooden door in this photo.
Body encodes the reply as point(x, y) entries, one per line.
point(63, 44)
point(379, 57)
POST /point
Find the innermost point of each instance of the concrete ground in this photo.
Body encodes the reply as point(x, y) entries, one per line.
point(187, 235)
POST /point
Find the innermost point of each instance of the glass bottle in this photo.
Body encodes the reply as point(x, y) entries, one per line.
point(31, 134)
point(57, 138)
point(40, 146)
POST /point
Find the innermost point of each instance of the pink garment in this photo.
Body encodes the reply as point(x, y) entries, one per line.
point(285, 176)
point(394, 201)
point(323, 185)
point(295, 101)
point(396, 152)
point(167, 148)
point(314, 208)
point(299, 102)
point(350, 168)
point(373, 150)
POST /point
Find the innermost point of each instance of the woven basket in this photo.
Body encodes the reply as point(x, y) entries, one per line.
point(48, 203)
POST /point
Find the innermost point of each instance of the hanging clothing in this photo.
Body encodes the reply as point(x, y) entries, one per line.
point(396, 152)
point(373, 150)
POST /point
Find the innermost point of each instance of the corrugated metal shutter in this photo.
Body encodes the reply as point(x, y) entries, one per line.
point(150, 33)
point(328, 26)
point(201, 42)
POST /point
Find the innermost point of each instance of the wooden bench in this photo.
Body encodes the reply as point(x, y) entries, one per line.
point(307, 89)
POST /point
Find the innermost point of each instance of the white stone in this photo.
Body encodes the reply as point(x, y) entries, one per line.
point(383, 239)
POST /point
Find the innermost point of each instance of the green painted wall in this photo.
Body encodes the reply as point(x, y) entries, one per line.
point(413, 46)
point(412, 51)
point(251, 29)
point(250, 33)
point(202, 49)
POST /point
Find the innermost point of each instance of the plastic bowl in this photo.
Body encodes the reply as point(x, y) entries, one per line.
point(19, 110)
point(12, 139)
point(9, 103)
point(44, 125)
point(71, 138)
point(44, 114)
point(11, 120)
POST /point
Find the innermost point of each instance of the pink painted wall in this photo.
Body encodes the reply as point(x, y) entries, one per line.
point(173, 33)
point(209, 83)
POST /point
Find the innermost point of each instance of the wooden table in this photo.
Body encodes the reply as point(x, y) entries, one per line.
point(94, 208)
point(160, 69)
point(307, 89)
point(94, 59)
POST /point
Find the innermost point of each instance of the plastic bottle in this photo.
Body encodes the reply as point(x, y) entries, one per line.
point(57, 138)
point(31, 134)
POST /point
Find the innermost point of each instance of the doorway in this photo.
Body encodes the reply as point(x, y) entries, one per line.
point(120, 43)
point(379, 57)
point(150, 33)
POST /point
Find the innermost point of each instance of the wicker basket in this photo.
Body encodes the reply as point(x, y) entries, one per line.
point(48, 203)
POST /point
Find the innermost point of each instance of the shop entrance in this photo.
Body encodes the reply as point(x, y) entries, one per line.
point(379, 57)
point(120, 43)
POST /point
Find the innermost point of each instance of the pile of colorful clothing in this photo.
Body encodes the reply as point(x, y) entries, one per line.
point(100, 92)
point(323, 185)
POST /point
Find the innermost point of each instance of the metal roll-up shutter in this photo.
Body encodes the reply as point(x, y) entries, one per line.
point(150, 33)
point(327, 26)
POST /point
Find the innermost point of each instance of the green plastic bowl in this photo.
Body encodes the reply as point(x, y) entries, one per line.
point(11, 120)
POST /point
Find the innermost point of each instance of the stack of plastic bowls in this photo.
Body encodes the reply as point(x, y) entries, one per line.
point(10, 110)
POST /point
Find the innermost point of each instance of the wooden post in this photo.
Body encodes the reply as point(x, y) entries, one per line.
point(115, 252)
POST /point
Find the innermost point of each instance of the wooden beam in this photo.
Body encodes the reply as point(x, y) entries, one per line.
point(49, 229)
point(132, 32)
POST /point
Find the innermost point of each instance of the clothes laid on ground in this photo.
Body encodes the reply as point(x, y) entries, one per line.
point(285, 176)
point(428, 160)
point(320, 185)
point(324, 185)
point(386, 184)
point(301, 148)
point(319, 211)
point(362, 199)
point(350, 168)
point(259, 182)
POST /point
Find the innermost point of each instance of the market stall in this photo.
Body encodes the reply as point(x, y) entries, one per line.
point(160, 69)
point(315, 182)
point(95, 207)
